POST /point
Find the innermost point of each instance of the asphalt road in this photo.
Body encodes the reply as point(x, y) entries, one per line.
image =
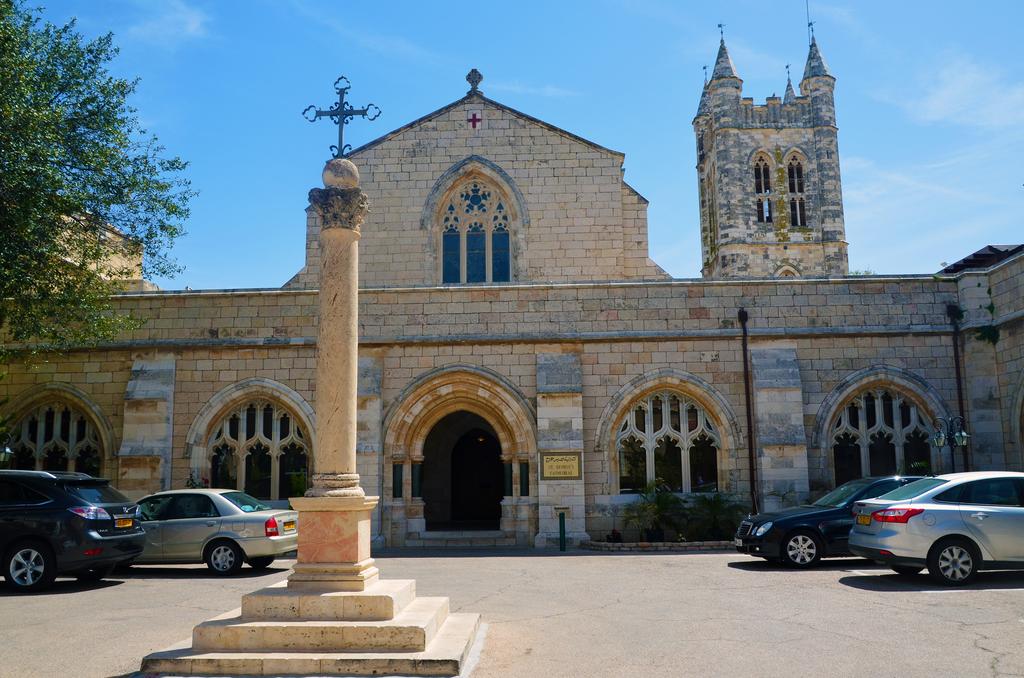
point(582, 615)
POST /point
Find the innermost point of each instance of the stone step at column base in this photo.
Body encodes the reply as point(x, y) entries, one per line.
point(380, 601)
point(411, 630)
point(444, 656)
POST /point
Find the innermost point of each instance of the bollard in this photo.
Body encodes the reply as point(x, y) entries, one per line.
point(561, 531)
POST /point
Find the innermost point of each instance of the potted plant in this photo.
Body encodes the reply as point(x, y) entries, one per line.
point(713, 516)
point(655, 509)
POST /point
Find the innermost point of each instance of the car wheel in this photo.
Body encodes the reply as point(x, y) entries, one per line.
point(906, 570)
point(96, 573)
point(224, 557)
point(29, 566)
point(954, 562)
point(261, 563)
point(802, 549)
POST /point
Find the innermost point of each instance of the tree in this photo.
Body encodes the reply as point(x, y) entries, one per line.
point(84, 190)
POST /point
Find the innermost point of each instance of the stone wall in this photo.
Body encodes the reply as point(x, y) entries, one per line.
point(1005, 291)
point(626, 337)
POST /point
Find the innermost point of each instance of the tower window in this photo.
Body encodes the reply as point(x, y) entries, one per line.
point(763, 189)
point(797, 212)
point(762, 177)
point(797, 203)
point(796, 176)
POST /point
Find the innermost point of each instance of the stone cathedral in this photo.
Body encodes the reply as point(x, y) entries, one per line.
point(521, 355)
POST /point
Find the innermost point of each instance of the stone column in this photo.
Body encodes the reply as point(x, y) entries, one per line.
point(560, 480)
point(335, 516)
point(779, 419)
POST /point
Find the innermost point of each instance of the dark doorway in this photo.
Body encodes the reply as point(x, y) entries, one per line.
point(462, 475)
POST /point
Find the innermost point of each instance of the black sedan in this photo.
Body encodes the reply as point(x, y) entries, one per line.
point(63, 523)
point(802, 535)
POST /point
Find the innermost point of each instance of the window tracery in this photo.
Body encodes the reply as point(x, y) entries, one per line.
point(475, 235)
point(57, 436)
point(668, 438)
point(259, 447)
point(880, 432)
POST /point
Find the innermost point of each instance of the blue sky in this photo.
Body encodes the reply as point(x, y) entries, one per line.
point(930, 99)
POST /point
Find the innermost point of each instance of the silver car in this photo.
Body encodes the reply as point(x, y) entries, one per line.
point(954, 525)
point(222, 528)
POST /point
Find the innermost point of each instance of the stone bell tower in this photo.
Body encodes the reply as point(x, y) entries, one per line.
point(771, 202)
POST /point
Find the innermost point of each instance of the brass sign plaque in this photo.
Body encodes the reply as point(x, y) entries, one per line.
point(560, 466)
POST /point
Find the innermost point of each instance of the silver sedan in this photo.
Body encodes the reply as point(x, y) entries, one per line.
point(222, 528)
point(954, 525)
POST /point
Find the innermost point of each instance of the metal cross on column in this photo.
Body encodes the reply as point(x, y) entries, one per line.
point(341, 114)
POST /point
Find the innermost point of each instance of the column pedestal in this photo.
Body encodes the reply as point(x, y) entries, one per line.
point(334, 544)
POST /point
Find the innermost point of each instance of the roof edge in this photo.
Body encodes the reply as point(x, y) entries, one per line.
point(478, 95)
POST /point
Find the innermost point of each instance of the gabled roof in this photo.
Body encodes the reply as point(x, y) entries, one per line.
point(986, 257)
point(477, 96)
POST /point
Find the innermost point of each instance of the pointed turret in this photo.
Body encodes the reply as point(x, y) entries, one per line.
point(704, 107)
point(816, 65)
point(723, 64)
point(790, 96)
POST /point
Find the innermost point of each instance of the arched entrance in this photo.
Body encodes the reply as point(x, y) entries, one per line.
point(462, 474)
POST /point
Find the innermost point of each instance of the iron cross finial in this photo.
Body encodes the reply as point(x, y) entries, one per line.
point(474, 78)
point(705, 74)
point(341, 114)
point(721, 31)
point(787, 71)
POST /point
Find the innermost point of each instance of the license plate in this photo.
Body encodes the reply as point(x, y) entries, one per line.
point(864, 519)
point(737, 542)
point(122, 522)
point(289, 525)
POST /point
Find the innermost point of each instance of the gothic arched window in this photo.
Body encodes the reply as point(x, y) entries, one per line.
point(57, 436)
point(668, 438)
point(762, 190)
point(475, 235)
point(261, 448)
point(879, 432)
point(797, 203)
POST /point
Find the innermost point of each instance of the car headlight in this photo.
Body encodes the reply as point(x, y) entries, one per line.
point(762, 530)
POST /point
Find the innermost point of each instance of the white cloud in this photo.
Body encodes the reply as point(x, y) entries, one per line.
point(171, 22)
point(386, 45)
point(517, 87)
point(911, 218)
point(965, 92)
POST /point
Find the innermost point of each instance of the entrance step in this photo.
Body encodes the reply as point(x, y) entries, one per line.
point(460, 538)
point(411, 630)
point(380, 601)
point(445, 656)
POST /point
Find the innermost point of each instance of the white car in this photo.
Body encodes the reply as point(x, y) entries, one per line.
point(954, 525)
point(222, 528)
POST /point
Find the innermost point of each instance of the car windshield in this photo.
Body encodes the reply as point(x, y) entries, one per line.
point(914, 489)
point(97, 493)
point(842, 494)
point(245, 502)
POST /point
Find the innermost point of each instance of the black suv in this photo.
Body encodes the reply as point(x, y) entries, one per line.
point(63, 523)
point(802, 535)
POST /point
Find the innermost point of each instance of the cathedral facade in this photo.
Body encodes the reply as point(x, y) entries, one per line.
point(521, 355)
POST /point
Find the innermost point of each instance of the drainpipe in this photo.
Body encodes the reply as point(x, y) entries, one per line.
point(751, 461)
point(954, 313)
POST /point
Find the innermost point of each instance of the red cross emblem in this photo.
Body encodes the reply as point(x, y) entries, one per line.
point(474, 120)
